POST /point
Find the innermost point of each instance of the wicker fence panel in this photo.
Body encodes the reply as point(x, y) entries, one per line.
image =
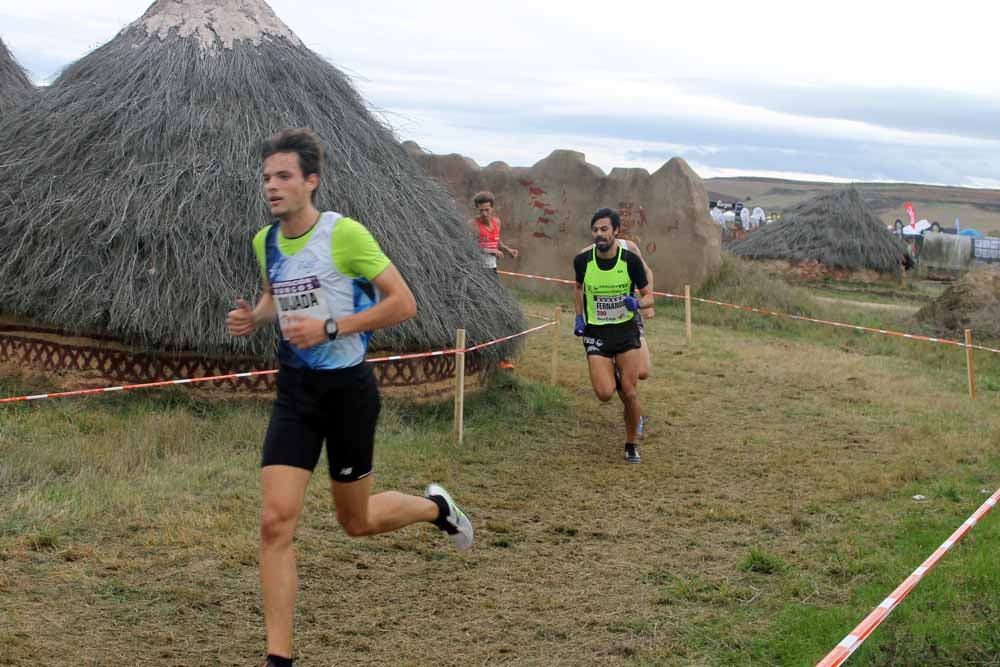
point(116, 365)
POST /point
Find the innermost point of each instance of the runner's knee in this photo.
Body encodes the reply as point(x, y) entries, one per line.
point(277, 524)
point(604, 394)
point(355, 525)
point(629, 392)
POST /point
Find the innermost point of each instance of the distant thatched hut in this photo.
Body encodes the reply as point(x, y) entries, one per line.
point(15, 86)
point(832, 234)
point(138, 178)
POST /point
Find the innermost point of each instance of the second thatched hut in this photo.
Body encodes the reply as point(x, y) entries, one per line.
point(832, 235)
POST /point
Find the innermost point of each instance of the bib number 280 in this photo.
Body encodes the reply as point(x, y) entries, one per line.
point(609, 308)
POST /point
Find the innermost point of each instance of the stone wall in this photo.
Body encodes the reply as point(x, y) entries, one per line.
point(546, 211)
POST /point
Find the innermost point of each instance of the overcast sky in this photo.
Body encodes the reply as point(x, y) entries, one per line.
point(873, 90)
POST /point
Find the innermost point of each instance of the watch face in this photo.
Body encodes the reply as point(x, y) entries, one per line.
point(331, 327)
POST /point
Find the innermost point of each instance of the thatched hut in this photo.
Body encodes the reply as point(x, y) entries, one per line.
point(15, 86)
point(138, 177)
point(832, 234)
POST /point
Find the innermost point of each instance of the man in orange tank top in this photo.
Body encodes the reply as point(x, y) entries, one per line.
point(486, 228)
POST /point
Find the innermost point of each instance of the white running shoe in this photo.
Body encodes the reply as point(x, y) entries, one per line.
point(457, 524)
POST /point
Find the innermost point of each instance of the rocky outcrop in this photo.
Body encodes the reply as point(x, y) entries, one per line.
point(546, 211)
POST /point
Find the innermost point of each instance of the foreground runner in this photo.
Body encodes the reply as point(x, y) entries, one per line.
point(328, 284)
point(606, 276)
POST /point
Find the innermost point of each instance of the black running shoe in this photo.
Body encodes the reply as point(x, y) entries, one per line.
point(632, 454)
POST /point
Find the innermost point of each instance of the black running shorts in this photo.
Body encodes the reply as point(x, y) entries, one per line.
point(607, 340)
point(640, 324)
point(339, 406)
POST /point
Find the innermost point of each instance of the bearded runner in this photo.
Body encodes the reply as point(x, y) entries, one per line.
point(606, 277)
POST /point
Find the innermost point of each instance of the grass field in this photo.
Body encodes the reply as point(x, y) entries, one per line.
point(772, 511)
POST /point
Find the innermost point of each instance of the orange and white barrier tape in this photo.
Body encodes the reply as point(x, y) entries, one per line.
point(851, 642)
point(801, 318)
point(232, 376)
point(500, 340)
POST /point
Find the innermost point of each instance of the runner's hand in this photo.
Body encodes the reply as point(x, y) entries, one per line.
point(303, 332)
point(648, 313)
point(241, 322)
point(631, 303)
point(513, 252)
point(579, 326)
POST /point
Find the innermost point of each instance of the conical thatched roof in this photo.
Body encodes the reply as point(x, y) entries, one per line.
point(15, 85)
point(836, 229)
point(138, 189)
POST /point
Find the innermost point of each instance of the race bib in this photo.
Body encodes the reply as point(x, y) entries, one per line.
point(609, 308)
point(301, 296)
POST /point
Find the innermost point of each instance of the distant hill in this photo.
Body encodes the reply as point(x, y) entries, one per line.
point(977, 208)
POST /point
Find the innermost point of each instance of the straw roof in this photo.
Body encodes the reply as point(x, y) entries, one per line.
point(15, 85)
point(836, 229)
point(130, 201)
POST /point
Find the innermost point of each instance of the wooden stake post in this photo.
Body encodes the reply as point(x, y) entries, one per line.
point(459, 385)
point(687, 312)
point(968, 362)
point(556, 316)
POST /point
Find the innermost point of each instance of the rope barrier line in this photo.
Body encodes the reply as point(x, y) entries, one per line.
point(232, 376)
point(500, 340)
point(802, 318)
point(851, 642)
point(856, 327)
point(129, 387)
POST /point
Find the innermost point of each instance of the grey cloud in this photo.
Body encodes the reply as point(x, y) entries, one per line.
point(734, 147)
point(913, 109)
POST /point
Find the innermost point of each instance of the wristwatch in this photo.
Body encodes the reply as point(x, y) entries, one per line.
point(331, 329)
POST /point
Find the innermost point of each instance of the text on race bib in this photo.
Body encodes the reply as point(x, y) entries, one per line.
point(302, 296)
point(609, 308)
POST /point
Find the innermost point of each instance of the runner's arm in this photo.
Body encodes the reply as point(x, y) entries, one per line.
point(646, 297)
point(244, 320)
point(265, 311)
point(638, 275)
point(580, 270)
